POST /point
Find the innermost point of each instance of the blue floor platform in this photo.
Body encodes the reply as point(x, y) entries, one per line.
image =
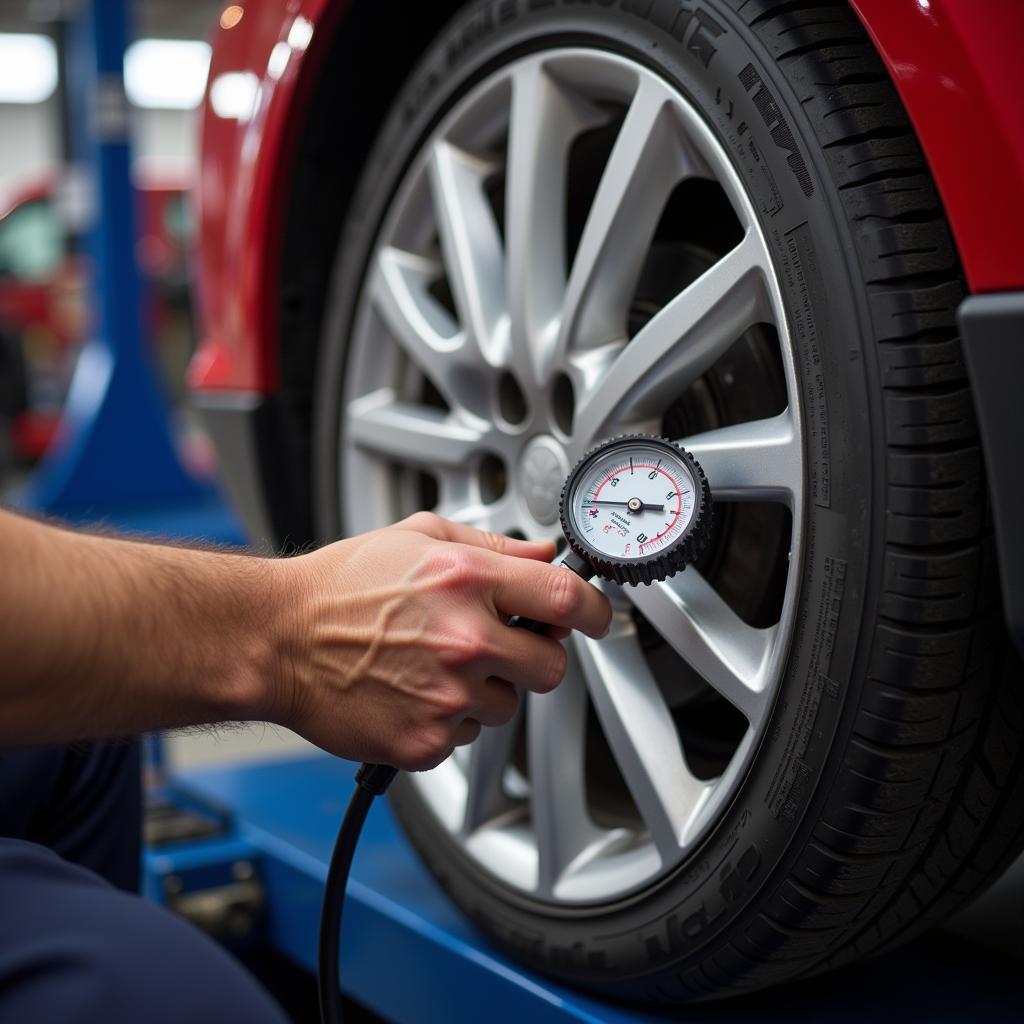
point(412, 958)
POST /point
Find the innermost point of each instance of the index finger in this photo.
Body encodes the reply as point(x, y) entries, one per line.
point(551, 594)
point(439, 528)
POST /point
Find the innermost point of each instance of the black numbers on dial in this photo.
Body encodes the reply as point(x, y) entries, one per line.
point(602, 519)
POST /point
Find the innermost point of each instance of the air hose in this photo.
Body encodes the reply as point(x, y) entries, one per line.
point(371, 781)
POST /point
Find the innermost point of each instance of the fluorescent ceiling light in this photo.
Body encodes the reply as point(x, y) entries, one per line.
point(278, 60)
point(168, 74)
point(300, 34)
point(28, 67)
point(233, 95)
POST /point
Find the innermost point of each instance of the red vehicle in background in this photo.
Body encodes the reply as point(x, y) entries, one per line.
point(43, 314)
point(445, 248)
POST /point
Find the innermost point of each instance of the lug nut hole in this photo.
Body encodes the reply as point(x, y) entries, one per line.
point(493, 479)
point(511, 400)
point(563, 404)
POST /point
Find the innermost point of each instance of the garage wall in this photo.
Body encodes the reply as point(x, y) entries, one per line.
point(29, 145)
point(167, 135)
point(28, 140)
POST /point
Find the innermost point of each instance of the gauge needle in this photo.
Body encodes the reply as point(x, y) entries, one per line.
point(631, 505)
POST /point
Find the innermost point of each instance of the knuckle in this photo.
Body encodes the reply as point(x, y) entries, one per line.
point(507, 706)
point(439, 562)
point(454, 567)
point(461, 648)
point(423, 522)
point(493, 541)
point(555, 669)
point(468, 733)
point(450, 700)
point(426, 749)
point(564, 593)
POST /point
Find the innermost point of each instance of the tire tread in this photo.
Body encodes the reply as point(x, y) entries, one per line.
point(921, 815)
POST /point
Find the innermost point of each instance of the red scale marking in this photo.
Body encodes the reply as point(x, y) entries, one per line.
point(675, 486)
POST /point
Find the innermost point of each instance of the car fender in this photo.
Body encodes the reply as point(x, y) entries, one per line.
point(262, 70)
point(955, 64)
point(951, 61)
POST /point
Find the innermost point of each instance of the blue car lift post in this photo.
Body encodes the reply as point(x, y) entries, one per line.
point(409, 955)
point(114, 457)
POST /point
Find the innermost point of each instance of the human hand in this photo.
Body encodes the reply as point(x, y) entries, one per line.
point(399, 645)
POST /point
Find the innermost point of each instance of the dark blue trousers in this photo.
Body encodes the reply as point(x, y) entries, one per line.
point(76, 943)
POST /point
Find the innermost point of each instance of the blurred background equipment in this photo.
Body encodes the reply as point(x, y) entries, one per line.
point(48, 204)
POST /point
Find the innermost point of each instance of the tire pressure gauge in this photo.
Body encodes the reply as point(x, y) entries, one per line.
point(637, 509)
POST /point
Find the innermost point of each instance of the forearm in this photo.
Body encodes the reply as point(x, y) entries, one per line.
point(391, 647)
point(101, 636)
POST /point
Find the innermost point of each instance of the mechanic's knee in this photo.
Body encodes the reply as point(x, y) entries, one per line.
point(153, 966)
point(74, 949)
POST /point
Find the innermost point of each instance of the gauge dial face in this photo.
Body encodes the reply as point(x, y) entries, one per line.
point(633, 501)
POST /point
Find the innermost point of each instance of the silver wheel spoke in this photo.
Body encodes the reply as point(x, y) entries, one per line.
point(643, 737)
point(423, 328)
point(649, 157)
point(756, 461)
point(556, 731)
point(488, 758)
point(678, 344)
point(498, 517)
point(413, 434)
point(543, 122)
point(471, 244)
point(731, 656)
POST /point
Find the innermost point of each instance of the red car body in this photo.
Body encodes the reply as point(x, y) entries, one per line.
point(243, 187)
point(954, 63)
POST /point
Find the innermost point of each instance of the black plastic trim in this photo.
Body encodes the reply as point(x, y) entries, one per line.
point(992, 328)
point(247, 431)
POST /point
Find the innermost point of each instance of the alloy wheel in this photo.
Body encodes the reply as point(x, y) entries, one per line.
point(534, 290)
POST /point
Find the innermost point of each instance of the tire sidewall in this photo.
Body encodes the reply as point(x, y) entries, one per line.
point(723, 68)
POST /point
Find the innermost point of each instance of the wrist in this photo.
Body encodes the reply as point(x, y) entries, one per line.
point(247, 641)
point(294, 589)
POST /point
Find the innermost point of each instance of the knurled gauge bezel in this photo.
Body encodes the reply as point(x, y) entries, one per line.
point(684, 550)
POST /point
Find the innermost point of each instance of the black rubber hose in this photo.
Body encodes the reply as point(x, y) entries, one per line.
point(371, 781)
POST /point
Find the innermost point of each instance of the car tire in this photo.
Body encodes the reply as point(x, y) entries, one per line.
point(885, 787)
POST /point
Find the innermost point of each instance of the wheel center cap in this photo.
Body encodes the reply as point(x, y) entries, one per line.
point(543, 468)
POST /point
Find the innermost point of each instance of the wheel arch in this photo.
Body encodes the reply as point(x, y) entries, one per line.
point(351, 97)
point(272, 198)
point(956, 71)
